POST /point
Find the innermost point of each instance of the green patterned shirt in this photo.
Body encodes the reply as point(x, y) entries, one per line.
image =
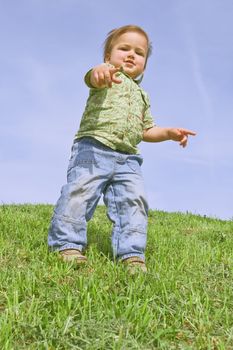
point(116, 116)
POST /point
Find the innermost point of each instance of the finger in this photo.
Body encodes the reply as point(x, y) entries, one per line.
point(184, 141)
point(187, 132)
point(101, 79)
point(108, 79)
point(116, 80)
point(96, 78)
point(113, 75)
point(113, 70)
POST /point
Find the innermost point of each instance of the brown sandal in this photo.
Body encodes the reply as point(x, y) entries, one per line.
point(73, 255)
point(135, 264)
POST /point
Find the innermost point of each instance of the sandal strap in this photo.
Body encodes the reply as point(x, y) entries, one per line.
point(134, 260)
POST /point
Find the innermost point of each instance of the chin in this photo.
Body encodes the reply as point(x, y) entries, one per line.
point(129, 71)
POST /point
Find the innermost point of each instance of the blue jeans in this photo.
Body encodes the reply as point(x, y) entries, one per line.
point(93, 170)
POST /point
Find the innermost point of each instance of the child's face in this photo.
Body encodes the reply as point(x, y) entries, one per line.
point(129, 51)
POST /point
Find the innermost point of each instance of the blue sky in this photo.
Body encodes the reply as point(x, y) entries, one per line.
point(47, 47)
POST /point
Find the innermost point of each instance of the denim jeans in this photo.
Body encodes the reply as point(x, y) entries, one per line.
point(93, 170)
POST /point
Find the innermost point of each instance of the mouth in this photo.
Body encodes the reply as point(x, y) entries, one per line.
point(128, 62)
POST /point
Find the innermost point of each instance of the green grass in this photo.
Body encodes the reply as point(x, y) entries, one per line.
point(184, 302)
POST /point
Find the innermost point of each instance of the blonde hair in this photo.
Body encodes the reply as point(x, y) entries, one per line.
point(114, 34)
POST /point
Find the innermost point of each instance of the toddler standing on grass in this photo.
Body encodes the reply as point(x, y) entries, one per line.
point(105, 158)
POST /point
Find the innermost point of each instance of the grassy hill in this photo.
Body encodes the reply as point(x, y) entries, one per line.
point(185, 301)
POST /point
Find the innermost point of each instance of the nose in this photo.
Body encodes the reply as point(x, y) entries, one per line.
point(131, 54)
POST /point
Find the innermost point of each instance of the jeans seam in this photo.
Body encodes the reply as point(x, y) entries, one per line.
point(118, 216)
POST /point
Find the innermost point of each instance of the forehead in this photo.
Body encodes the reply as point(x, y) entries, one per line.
point(133, 38)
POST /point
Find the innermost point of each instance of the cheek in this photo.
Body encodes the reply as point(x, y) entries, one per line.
point(142, 61)
point(117, 59)
point(120, 55)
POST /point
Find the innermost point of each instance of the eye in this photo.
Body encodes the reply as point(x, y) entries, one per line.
point(123, 48)
point(140, 53)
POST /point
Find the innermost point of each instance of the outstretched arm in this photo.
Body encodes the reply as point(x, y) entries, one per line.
point(158, 134)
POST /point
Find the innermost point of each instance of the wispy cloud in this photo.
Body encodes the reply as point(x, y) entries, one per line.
point(184, 14)
point(199, 78)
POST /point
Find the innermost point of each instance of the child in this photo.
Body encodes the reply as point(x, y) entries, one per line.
point(105, 159)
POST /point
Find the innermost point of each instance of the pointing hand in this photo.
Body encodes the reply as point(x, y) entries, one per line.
point(180, 135)
point(103, 75)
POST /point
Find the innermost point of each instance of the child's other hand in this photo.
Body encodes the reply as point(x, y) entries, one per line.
point(103, 75)
point(180, 135)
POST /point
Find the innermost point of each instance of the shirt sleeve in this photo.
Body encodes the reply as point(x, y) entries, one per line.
point(87, 79)
point(148, 121)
